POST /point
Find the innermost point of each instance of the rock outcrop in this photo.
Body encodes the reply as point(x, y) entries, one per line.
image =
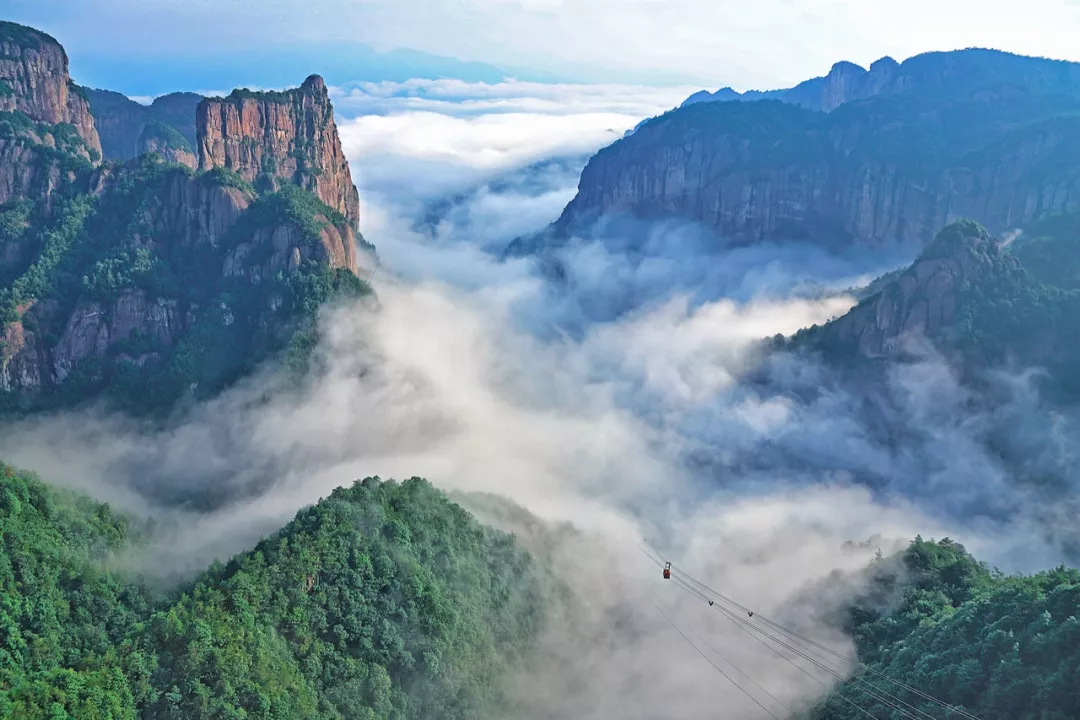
point(122, 122)
point(279, 137)
point(37, 159)
point(190, 213)
point(94, 328)
point(172, 278)
point(284, 248)
point(34, 81)
point(881, 171)
point(921, 301)
point(21, 359)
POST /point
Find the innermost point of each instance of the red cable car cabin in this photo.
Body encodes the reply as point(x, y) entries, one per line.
point(667, 571)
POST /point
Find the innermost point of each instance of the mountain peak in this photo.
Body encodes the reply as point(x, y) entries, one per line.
point(26, 37)
point(272, 139)
point(314, 83)
point(884, 63)
point(923, 299)
point(847, 68)
point(34, 81)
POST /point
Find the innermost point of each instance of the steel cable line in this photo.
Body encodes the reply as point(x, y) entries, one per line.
point(926, 696)
point(736, 667)
point(718, 668)
point(866, 686)
point(868, 689)
point(740, 622)
point(796, 637)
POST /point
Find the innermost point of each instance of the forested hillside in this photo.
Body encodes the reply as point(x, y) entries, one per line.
point(384, 600)
point(999, 647)
point(976, 300)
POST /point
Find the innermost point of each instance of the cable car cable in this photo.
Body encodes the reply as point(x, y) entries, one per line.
point(853, 682)
point(721, 671)
point(870, 690)
point(706, 589)
point(797, 636)
point(709, 645)
point(860, 683)
point(740, 624)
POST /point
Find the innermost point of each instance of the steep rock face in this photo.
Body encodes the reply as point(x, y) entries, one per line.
point(924, 300)
point(21, 359)
point(287, 137)
point(191, 212)
point(36, 158)
point(34, 80)
point(192, 222)
point(25, 172)
point(93, 329)
point(121, 122)
point(865, 174)
point(283, 247)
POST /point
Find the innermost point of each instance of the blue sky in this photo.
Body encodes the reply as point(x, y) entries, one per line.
point(711, 43)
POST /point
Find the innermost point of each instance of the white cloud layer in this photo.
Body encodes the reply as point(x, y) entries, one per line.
point(417, 141)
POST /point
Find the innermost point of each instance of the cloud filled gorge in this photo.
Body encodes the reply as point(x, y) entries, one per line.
point(631, 398)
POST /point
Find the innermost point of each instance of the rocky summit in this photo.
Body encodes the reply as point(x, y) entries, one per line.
point(270, 138)
point(168, 273)
point(34, 81)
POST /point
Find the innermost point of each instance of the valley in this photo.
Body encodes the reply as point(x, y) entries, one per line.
point(353, 401)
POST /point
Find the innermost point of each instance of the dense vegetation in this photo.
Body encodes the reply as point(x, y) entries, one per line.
point(385, 600)
point(93, 249)
point(1001, 647)
point(1050, 250)
point(24, 36)
point(165, 135)
point(1005, 315)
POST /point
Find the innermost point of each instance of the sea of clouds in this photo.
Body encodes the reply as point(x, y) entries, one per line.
point(614, 401)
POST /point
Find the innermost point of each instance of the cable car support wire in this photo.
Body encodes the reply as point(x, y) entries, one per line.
point(806, 650)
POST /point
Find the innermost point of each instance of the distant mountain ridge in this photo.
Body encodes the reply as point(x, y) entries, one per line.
point(957, 73)
point(121, 121)
point(866, 157)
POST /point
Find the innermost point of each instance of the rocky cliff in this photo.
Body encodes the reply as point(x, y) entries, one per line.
point(38, 159)
point(34, 81)
point(877, 171)
point(922, 300)
point(197, 252)
point(974, 301)
point(121, 122)
point(147, 281)
point(277, 138)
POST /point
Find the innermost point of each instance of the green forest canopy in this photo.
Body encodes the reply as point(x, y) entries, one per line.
point(1001, 647)
point(384, 600)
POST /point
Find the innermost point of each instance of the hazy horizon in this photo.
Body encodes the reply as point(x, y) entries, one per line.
point(198, 45)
